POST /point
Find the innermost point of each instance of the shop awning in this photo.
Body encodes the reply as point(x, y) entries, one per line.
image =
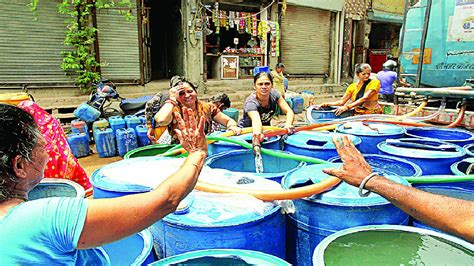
point(382, 16)
point(334, 5)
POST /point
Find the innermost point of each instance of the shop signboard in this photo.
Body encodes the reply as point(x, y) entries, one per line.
point(229, 67)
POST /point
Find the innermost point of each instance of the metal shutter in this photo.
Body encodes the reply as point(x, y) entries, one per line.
point(305, 41)
point(118, 45)
point(30, 51)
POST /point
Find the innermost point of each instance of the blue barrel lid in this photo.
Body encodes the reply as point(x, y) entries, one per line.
point(453, 135)
point(245, 138)
point(317, 140)
point(342, 194)
point(421, 148)
point(213, 210)
point(370, 129)
point(122, 176)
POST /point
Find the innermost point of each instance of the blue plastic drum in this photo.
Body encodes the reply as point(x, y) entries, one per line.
point(321, 215)
point(133, 250)
point(316, 114)
point(105, 143)
point(222, 146)
point(432, 156)
point(243, 161)
point(56, 187)
point(388, 165)
point(371, 134)
point(456, 136)
point(315, 144)
point(126, 140)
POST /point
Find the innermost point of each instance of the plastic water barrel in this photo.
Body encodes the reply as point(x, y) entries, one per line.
point(142, 119)
point(126, 140)
point(452, 190)
point(79, 126)
point(86, 113)
point(150, 150)
point(142, 137)
point(388, 165)
point(116, 122)
point(340, 208)
point(132, 121)
point(207, 223)
point(392, 245)
point(222, 257)
point(456, 136)
point(315, 144)
point(434, 157)
point(105, 143)
point(371, 134)
point(56, 187)
point(133, 250)
point(316, 114)
point(243, 161)
point(298, 104)
point(222, 146)
point(79, 144)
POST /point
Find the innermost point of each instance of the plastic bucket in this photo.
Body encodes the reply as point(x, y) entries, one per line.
point(56, 187)
point(388, 165)
point(222, 146)
point(469, 150)
point(105, 143)
point(151, 150)
point(207, 223)
point(142, 137)
point(456, 136)
point(222, 257)
point(434, 157)
point(321, 215)
point(133, 250)
point(79, 144)
point(126, 140)
point(371, 134)
point(243, 161)
point(392, 245)
point(315, 144)
point(443, 189)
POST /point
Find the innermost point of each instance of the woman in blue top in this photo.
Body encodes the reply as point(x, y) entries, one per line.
point(261, 105)
point(69, 231)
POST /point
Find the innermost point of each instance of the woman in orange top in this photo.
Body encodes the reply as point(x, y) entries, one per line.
point(183, 94)
point(363, 94)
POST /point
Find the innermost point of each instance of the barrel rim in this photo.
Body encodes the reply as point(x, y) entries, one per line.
point(147, 237)
point(455, 141)
point(318, 254)
point(291, 142)
point(240, 137)
point(460, 152)
point(418, 170)
point(235, 252)
point(148, 147)
point(275, 210)
point(454, 167)
point(401, 130)
point(467, 148)
point(80, 192)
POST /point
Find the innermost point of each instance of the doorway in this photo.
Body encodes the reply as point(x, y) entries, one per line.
point(165, 38)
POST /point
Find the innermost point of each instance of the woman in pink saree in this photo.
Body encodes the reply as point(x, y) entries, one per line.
point(62, 163)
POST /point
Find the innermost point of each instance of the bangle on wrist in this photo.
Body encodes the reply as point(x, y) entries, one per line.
point(364, 182)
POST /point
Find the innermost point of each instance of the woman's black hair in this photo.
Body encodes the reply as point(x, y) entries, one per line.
point(19, 135)
point(359, 68)
point(175, 80)
point(262, 74)
point(221, 98)
point(279, 65)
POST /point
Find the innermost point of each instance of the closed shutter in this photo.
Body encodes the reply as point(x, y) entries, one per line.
point(305, 41)
point(118, 46)
point(30, 51)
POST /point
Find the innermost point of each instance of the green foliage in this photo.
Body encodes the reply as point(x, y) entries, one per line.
point(79, 58)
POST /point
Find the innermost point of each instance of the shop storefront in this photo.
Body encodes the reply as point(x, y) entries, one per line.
point(238, 39)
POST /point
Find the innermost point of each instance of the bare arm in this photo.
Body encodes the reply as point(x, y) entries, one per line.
point(448, 214)
point(290, 115)
point(165, 114)
point(358, 102)
point(339, 102)
point(109, 220)
point(256, 125)
point(228, 122)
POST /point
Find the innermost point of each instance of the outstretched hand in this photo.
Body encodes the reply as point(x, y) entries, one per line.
point(340, 110)
point(190, 133)
point(355, 168)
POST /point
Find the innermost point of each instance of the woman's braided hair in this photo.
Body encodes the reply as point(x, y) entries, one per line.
point(18, 136)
